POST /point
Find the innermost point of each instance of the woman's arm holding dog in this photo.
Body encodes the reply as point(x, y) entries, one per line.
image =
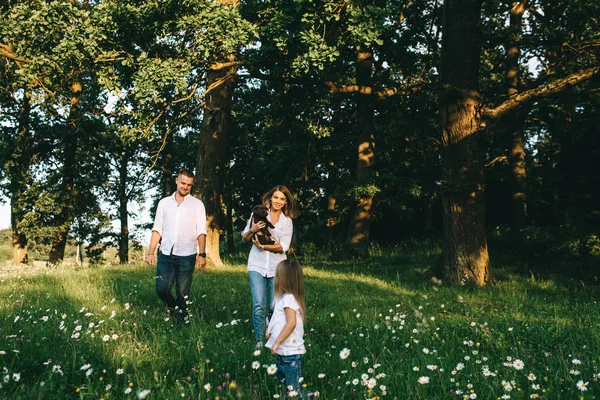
point(275, 248)
point(251, 229)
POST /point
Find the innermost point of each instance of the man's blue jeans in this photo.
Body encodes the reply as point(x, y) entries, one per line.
point(263, 292)
point(289, 372)
point(178, 270)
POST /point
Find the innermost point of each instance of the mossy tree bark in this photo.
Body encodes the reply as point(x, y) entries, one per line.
point(464, 250)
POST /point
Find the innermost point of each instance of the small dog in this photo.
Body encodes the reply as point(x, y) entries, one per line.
point(259, 213)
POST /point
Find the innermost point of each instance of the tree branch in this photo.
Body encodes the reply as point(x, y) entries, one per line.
point(6, 50)
point(222, 65)
point(369, 90)
point(343, 89)
point(548, 89)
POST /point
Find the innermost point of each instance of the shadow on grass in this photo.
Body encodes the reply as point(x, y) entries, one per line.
point(545, 255)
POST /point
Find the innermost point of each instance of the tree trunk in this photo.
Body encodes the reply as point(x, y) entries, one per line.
point(67, 195)
point(567, 192)
point(360, 220)
point(213, 155)
point(229, 227)
point(167, 176)
point(331, 217)
point(18, 170)
point(516, 122)
point(123, 209)
point(331, 211)
point(428, 227)
point(465, 256)
point(19, 240)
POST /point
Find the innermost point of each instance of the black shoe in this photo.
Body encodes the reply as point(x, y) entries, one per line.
point(181, 319)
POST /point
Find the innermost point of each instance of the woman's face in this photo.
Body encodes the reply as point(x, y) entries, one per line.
point(278, 201)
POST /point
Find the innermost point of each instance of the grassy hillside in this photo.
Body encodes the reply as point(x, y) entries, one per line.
point(102, 333)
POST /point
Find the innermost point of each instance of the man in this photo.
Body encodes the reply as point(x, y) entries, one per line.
point(180, 226)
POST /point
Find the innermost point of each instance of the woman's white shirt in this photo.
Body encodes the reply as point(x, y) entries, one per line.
point(263, 261)
point(293, 344)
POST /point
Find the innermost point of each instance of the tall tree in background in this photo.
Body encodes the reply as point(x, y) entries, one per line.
point(66, 190)
point(220, 77)
point(464, 251)
point(18, 172)
point(465, 256)
point(213, 153)
point(515, 121)
point(17, 153)
point(360, 217)
point(57, 43)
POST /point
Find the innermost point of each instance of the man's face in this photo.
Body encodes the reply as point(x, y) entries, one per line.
point(184, 184)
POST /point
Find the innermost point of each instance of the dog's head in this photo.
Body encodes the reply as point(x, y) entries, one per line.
point(260, 211)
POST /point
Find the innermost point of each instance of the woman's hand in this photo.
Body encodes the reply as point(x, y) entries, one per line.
point(256, 227)
point(257, 243)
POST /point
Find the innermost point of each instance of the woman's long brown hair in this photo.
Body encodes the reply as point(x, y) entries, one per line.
point(290, 208)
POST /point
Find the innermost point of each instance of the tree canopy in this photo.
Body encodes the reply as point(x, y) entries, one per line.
point(387, 119)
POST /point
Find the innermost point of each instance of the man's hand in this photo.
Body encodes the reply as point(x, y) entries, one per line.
point(200, 263)
point(150, 259)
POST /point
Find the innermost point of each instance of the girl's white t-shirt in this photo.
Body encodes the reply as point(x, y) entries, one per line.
point(293, 344)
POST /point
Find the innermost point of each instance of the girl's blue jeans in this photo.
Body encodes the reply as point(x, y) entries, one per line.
point(289, 372)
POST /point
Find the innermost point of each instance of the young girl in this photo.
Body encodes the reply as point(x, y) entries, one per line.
point(285, 333)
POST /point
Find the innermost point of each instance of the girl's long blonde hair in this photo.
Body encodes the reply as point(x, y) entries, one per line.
point(289, 278)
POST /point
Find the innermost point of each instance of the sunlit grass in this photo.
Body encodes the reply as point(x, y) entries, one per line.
point(374, 329)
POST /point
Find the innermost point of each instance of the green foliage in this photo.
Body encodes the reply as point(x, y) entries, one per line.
point(142, 67)
point(360, 192)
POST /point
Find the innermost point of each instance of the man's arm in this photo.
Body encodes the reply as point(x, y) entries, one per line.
point(152, 247)
point(201, 238)
point(200, 260)
point(157, 231)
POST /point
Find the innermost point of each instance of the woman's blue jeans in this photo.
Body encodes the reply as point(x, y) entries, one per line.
point(178, 270)
point(263, 291)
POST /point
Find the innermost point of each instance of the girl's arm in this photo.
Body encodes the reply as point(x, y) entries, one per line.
point(288, 328)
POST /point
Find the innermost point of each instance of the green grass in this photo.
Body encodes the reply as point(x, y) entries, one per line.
point(397, 327)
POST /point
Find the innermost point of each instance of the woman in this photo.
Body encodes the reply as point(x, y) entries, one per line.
point(264, 258)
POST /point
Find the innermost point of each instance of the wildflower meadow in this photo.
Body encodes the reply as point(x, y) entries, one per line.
point(375, 330)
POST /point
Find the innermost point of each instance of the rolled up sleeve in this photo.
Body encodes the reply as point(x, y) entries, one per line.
point(286, 235)
point(158, 219)
point(201, 220)
point(247, 228)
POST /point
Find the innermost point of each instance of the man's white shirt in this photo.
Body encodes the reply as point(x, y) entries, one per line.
point(179, 225)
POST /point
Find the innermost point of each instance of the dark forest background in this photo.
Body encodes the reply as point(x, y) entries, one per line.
point(457, 122)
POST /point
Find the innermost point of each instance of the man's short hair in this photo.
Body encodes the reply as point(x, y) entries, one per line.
point(186, 172)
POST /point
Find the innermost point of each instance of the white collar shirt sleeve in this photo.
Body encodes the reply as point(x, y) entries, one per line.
point(179, 225)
